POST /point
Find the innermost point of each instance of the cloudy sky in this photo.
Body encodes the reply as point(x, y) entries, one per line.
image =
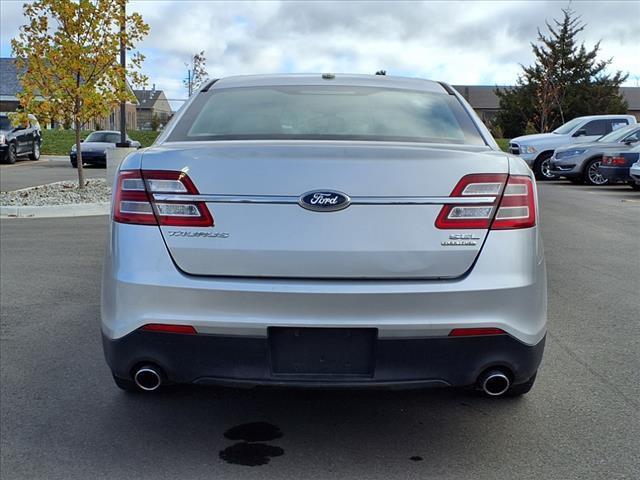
point(465, 42)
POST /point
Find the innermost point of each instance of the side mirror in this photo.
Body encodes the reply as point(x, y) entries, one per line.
point(630, 141)
point(580, 133)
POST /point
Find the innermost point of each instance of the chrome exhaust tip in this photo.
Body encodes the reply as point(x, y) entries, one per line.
point(495, 383)
point(148, 378)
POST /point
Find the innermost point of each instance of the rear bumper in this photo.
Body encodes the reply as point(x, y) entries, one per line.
point(397, 363)
point(615, 174)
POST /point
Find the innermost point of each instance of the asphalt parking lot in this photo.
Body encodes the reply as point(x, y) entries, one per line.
point(48, 169)
point(61, 417)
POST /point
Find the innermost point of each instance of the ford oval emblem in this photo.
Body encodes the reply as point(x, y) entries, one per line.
point(324, 201)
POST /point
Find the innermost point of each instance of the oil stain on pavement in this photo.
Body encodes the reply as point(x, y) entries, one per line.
point(251, 451)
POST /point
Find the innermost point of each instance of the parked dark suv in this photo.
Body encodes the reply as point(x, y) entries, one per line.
point(20, 141)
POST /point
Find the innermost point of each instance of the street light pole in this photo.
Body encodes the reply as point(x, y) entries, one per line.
point(123, 64)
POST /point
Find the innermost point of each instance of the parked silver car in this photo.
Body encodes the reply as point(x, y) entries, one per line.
point(581, 163)
point(325, 230)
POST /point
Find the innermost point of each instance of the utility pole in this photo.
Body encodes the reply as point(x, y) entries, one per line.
point(189, 82)
point(123, 63)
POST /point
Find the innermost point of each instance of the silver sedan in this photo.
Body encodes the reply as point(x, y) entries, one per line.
point(325, 231)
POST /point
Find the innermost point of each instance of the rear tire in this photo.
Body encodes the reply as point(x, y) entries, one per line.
point(541, 167)
point(521, 388)
point(592, 175)
point(126, 385)
point(35, 153)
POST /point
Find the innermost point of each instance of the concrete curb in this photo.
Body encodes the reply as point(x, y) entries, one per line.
point(49, 211)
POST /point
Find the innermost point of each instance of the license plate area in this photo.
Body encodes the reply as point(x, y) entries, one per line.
point(322, 352)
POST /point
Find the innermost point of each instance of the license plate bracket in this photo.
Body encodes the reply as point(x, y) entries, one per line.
point(325, 352)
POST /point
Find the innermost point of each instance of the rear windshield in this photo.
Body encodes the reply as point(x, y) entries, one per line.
point(326, 113)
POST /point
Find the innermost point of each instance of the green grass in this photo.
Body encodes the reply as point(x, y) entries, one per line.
point(145, 138)
point(503, 143)
point(58, 142)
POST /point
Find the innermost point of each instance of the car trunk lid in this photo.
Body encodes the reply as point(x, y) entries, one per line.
point(252, 190)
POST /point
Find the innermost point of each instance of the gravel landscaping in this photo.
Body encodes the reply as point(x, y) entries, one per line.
point(59, 193)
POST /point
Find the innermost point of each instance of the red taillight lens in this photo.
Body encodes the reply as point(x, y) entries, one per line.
point(617, 161)
point(176, 214)
point(134, 201)
point(165, 328)
point(516, 208)
point(470, 332)
point(469, 214)
point(130, 201)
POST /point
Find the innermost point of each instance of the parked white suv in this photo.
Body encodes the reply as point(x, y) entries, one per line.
point(537, 149)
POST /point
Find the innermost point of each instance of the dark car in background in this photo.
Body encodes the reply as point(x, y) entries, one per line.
point(615, 166)
point(95, 146)
point(19, 141)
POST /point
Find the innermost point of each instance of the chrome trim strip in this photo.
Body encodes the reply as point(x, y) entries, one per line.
point(162, 197)
point(288, 199)
point(421, 200)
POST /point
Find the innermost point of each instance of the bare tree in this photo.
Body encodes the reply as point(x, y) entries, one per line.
point(196, 73)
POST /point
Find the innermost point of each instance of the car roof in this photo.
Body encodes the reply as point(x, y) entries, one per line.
point(107, 131)
point(605, 117)
point(630, 127)
point(342, 79)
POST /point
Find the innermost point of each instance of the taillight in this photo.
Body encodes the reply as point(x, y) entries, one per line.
point(130, 201)
point(489, 203)
point(134, 201)
point(618, 161)
point(473, 332)
point(168, 328)
point(518, 207)
point(472, 212)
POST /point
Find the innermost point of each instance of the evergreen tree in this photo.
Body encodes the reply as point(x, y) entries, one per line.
point(566, 81)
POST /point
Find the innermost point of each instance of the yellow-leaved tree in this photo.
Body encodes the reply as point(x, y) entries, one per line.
point(67, 54)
